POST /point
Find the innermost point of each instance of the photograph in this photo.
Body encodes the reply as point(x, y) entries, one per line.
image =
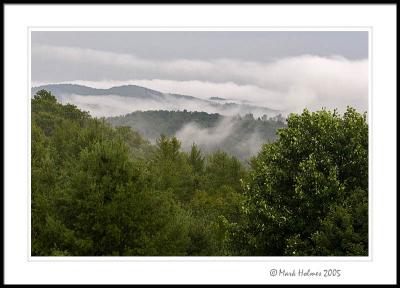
point(201, 144)
point(188, 142)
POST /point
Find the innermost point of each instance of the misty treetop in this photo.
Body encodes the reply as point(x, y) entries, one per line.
point(241, 136)
point(100, 190)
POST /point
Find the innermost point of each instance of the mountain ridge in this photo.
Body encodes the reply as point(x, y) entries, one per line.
point(68, 92)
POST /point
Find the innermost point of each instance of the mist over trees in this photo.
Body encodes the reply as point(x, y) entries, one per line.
point(119, 100)
point(240, 136)
point(99, 190)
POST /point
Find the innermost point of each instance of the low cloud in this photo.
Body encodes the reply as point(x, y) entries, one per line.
point(205, 137)
point(223, 136)
point(288, 84)
point(115, 105)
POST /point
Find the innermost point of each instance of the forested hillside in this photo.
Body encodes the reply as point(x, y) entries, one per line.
point(99, 190)
point(240, 136)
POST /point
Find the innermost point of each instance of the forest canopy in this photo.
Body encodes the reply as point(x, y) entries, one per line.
point(100, 190)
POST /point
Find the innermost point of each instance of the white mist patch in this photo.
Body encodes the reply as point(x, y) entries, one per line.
point(210, 138)
point(221, 137)
point(115, 105)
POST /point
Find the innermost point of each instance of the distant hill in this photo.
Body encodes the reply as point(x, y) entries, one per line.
point(124, 99)
point(237, 135)
point(125, 90)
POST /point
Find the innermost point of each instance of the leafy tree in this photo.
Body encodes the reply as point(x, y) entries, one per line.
point(45, 96)
point(307, 192)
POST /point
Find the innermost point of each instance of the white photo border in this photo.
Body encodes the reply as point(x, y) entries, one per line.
point(231, 268)
point(200, 258)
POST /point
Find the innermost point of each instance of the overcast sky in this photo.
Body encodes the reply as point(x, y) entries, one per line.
point(284, 70)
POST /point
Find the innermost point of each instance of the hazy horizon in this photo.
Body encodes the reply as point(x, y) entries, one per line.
point(286, 71)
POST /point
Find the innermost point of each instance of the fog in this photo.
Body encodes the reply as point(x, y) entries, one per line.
point(264, 75)
point(209, 137)
point(221, 137)
point(115, 105)
point(289, 84)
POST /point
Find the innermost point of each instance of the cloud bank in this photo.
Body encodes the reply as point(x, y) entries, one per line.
point(115, 105)
point(288, 84)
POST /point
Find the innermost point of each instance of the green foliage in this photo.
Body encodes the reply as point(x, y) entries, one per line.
point(110, 207)
point(196, 159)
point(223, 169)
point(99, 190)
point(307, 192)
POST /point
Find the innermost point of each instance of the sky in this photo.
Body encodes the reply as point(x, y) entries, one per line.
point(288, 71)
